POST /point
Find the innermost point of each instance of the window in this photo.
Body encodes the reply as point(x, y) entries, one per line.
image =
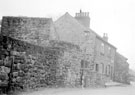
point(87, 33)
point(111, 71)
point(102, 68)
point(109, 50)
point(102, 48)
point(97, 67)
point(108, 70)
point(84, 64)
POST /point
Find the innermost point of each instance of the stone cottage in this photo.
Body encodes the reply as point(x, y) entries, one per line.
point(104, 57)
point(98, 53)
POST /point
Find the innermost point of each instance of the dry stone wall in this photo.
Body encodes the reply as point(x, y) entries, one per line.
point(33, 30)
point(70, 68)
point(35, 66)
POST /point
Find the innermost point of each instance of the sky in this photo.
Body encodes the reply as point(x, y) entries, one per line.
point(115, 17)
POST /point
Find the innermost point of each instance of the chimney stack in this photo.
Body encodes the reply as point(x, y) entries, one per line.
point(83, 18)
point(105, 37)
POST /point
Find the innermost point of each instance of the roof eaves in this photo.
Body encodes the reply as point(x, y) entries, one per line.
point(105, 41)
point(98, 36)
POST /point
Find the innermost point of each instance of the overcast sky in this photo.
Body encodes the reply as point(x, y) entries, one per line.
point(115, 17)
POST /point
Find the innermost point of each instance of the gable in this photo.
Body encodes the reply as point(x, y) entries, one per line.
point(70, 30)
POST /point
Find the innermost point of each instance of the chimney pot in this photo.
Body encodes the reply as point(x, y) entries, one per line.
point(83, 18)
point(105, 36)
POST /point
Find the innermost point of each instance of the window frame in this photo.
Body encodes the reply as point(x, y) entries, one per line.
point(102, 50)
point(97, 68)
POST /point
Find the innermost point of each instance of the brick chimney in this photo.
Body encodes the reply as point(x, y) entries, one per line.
point(83, 18)
point(105, 37)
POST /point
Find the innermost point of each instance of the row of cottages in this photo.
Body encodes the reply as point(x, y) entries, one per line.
point(95, 57)
point(98, 53)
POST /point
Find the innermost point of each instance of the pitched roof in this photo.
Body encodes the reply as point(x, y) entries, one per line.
point(66, 23)
point(121, 56)
point(70, 30)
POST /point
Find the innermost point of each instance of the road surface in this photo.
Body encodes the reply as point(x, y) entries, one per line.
point(115, 90)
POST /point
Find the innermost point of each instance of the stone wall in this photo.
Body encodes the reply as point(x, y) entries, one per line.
point(33, 30)
point(91, 79)
point(70, 69)
point(69, 63)
point(35, 66)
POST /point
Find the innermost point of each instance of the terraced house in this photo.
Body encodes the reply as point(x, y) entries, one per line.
point(98, 53)
point(104, 56)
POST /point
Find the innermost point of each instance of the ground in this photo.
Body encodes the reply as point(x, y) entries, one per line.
point(112, 90)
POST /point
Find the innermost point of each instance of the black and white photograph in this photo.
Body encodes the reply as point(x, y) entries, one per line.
point(67, 47)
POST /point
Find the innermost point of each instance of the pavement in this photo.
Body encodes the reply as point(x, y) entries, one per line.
point(112, 90)
point(111, 83)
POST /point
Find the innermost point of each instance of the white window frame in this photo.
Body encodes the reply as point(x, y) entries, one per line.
point(102, 48)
